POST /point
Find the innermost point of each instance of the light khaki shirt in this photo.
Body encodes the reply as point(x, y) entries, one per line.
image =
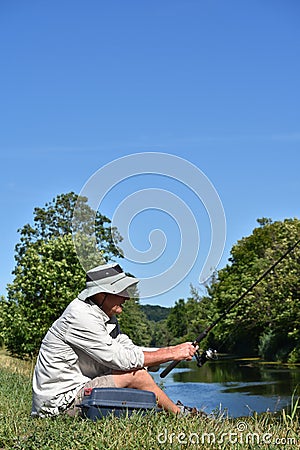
point(82, 344)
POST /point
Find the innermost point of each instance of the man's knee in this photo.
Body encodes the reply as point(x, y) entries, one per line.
point(134, 378)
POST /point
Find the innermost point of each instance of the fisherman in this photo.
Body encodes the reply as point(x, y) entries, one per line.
point(84, 348)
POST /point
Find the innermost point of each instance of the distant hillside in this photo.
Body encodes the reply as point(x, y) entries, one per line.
point(155, 312)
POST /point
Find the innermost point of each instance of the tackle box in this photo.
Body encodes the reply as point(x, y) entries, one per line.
point(100, 402)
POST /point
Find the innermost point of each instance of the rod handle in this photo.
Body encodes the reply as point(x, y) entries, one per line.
point(168, 369)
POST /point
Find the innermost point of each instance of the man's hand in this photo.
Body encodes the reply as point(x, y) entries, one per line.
point(178, 352)
point(184, 351)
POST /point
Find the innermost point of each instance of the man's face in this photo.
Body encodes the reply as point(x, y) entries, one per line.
point(113, 304)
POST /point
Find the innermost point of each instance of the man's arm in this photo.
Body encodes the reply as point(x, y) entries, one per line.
point(179, 352)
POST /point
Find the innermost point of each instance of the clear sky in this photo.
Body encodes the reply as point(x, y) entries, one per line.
point(213, 82)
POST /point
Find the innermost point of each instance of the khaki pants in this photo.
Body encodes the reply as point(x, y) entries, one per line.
point(104, 381)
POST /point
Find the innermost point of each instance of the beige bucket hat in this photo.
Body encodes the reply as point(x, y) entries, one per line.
point(107, 278)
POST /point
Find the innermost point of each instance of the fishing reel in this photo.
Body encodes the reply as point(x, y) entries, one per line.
point(206, 355)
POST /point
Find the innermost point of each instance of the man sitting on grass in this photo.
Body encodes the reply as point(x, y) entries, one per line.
point(84, 348)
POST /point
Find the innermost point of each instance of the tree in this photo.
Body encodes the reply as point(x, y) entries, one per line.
point(271, 312)
point(156, 313)
point(47, 278)
point(201, 312)
point(48, 274)
point(57, 218)
point(177, 320)
point(161, 335)
point(189, 318)
point(2, 301)
point(133, 322)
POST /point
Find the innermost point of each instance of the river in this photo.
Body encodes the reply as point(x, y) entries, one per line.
point(235, 387)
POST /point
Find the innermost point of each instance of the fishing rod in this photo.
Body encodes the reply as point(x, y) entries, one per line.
point(212, 354)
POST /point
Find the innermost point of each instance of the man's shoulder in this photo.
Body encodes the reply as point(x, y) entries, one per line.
point(82, 308)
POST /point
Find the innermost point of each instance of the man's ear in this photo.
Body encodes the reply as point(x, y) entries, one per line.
point(99, 299)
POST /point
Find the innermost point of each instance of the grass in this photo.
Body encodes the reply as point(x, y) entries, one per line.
point(152, 431)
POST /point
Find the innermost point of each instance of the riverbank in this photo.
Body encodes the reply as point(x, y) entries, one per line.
point(241, 386)
point(153, 431)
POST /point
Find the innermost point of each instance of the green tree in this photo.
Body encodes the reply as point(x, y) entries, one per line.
point(2, 301)
point(134, 323)
point(156, 313)
point(177, 321)
point(201, 312)
point(189, 318)
point(47, 278)
point(161, 335)
point(69, 214)
point(48, 274)
point(271, 312)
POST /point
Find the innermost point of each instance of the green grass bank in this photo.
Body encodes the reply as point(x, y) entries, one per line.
point(153, 431)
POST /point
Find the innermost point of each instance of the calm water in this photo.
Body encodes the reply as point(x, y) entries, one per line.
point(238, 386)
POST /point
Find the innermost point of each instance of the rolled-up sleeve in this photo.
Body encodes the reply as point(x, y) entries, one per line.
point(89, 334)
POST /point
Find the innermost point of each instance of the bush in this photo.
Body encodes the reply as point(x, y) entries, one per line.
point(294, 356)
point(274, 346)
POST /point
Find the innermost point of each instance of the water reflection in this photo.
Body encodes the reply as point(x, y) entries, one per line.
point(237, 385)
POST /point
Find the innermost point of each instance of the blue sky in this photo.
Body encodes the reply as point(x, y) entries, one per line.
point(215, 83)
